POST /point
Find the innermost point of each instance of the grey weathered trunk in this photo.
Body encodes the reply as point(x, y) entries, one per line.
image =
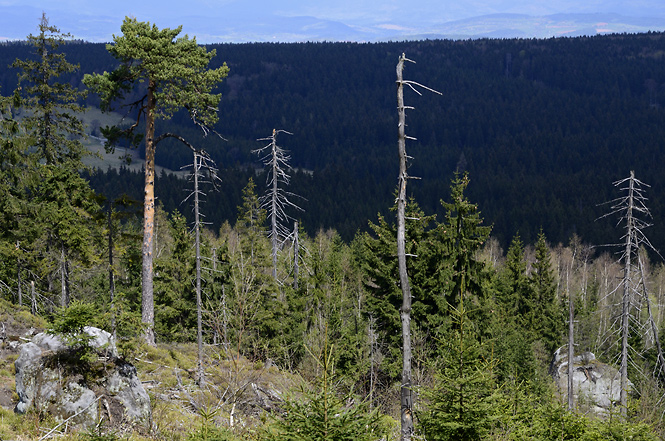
point(64, 278)
point(625, 307)
point(225, 321)
point(571, 351)
point(660, 361)
point(33, 298)
point(296, 255)
point(199, 307)
point(19, 292)
point(273, 204)
point(111, 275)
point(406, 400)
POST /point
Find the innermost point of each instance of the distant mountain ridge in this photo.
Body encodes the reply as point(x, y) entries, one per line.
point(233, 23)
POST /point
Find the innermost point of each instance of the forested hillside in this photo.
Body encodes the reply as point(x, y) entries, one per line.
point(543, 126)
point(501, 242)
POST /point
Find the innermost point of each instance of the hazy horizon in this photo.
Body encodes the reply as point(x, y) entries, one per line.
point(239, 21)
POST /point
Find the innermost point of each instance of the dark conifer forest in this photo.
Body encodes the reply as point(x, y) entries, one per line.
point(537, 218)
point(542, 126)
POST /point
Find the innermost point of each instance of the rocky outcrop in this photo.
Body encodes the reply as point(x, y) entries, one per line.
point(52, 377)
point(596, 385)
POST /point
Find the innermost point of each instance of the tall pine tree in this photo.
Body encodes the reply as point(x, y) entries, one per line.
point(175, 71)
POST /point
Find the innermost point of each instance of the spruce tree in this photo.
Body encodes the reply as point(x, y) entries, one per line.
point(51, 107)
point(323, 414)
point(385, 297)
point(175, 315)
point(57, 202)
point(548, 322)
point(517, 294)
point(15, 172)
point(513, 320)
point(461, 404)
point(462, 235)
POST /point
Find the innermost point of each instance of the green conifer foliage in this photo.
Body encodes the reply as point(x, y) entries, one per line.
point(48, 213)
point(175, 71)
point(321, 414)
point(175, 305)
point(14, 143)
point(51, 106)
point(461, 236)
point(517, 294)
point(548, 323)
point(251, 223)
point(251, 294)
point(443, 264)
point(382, 283)
point(461, 405)
point(514, 319)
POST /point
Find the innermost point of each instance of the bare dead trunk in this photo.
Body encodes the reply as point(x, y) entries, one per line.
point(660, 361)
point(274, 208)
point(111, 275)
point(19, 291)
point(147, 298)
point(33, 298)
point(625, 308)
point(571, 351)
point(199, 306)
point(406, 400)
point(64, 278)
point(296, 255)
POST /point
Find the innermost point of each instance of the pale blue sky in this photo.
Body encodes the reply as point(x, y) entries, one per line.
point(301, 20)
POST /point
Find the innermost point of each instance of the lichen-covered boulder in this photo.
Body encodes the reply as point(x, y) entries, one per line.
point(596, 385)
point(51, 377)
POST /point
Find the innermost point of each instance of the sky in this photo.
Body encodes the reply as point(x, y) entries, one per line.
point(239, 21)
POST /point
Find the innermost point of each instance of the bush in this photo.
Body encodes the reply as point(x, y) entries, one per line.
point(68, 324)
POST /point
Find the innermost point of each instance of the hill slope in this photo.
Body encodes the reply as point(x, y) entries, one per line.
point(543, 126)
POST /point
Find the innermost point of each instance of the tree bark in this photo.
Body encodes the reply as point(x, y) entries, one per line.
point(33, 298)
point(19, 292)
point(274, 208)
point(405, 311)
point(571, 351)
point(64, 278)
point(147, 298)
point(199, 307)
point(296, 255)
point(625, 308)
point(660, 360)
point(111, 275)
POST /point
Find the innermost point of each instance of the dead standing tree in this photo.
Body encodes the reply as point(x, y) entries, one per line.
point(202, 162)
point(406, 397)
point(630, 207)
point(276, 199)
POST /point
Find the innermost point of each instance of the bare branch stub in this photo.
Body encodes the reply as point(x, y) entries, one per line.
point(406, 396)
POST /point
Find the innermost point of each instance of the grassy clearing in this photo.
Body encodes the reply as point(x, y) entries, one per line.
point(93, 118)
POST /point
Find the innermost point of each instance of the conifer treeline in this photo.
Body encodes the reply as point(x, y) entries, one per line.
point(543, 126)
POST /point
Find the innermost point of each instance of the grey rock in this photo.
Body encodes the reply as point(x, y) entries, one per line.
point(124, 384)
point(49, 378)
point(48, 342)
point(596, 385)
point(101, 340)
